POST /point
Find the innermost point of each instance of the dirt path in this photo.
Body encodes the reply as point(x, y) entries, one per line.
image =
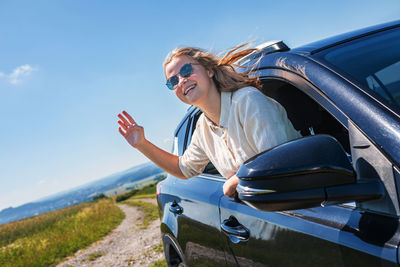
point(127, 245)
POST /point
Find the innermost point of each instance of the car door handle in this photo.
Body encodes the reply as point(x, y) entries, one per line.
point(175, 208)
point(234, 230)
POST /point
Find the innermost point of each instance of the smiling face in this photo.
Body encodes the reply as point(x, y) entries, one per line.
point(194, 89)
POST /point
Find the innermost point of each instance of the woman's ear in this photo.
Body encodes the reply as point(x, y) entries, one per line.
point(210, 73)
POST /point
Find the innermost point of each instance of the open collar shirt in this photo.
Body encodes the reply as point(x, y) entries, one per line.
point(250, 123)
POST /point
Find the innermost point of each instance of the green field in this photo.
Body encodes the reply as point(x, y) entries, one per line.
point(148, 191)
point(135, 185)
point(46, 239)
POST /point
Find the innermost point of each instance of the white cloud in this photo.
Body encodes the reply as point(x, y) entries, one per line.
point(19, 73)
point(2, 74)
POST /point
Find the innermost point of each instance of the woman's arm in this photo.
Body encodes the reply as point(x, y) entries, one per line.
point(134, 135)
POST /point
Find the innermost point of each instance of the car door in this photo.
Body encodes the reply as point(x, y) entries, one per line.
point(198, 230)
point(353, 234)
point(194, 203)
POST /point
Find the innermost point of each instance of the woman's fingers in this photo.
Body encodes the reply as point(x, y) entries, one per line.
point(124, 122)
point(123, 125)
point(122, 118)
point(128, 129)
point(131, 120)
point(121, 131)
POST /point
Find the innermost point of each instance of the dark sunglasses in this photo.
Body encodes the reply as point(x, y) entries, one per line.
point(185, 72)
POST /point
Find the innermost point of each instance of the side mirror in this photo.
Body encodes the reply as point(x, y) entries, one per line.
point(302, 173)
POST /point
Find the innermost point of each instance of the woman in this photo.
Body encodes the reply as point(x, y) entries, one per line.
point(238, 121)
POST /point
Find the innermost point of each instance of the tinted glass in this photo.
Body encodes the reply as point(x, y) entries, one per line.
point(181, 135)
point(374, 62)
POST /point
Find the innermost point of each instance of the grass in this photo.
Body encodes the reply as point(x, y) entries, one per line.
point(143, 196)
point(148, 191)
point(12, 231)
point(150, 211)
point(94, 256)
point(158, 247)
point(159, 263)
point(46, 239)
point(130, 261)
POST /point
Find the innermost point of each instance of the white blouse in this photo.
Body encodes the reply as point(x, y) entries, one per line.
point(250, 123)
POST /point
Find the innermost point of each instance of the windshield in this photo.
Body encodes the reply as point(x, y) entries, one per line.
point(374, 62)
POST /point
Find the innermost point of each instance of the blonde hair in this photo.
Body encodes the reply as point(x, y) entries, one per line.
point(226, 78)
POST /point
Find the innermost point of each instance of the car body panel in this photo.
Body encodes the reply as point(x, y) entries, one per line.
point(313, 237)
point(199, 200)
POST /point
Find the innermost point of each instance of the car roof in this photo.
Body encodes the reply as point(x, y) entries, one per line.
point(320, 45)
point(273, 48)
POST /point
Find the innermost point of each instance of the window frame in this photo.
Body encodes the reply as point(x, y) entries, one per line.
point(321, 99)
point(191, 118)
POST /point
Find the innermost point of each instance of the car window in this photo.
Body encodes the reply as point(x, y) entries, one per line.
point(209, 169)
point(384, 82)
point(192, 126)
point(180, 138)
point(183, 136)
point(374, 62)
point(307, 116)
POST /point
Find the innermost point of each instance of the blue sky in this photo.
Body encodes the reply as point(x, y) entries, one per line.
point(68, 67)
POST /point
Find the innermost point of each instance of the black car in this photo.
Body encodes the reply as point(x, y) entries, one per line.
point(330, 198)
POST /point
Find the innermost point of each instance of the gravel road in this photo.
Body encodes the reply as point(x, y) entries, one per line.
point(127, 245)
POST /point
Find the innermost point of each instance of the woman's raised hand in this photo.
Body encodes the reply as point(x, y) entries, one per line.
point(132, 132)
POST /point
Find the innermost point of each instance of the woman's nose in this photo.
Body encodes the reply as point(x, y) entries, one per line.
point(181, 80)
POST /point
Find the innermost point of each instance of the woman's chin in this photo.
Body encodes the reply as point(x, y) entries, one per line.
point(192, 97)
